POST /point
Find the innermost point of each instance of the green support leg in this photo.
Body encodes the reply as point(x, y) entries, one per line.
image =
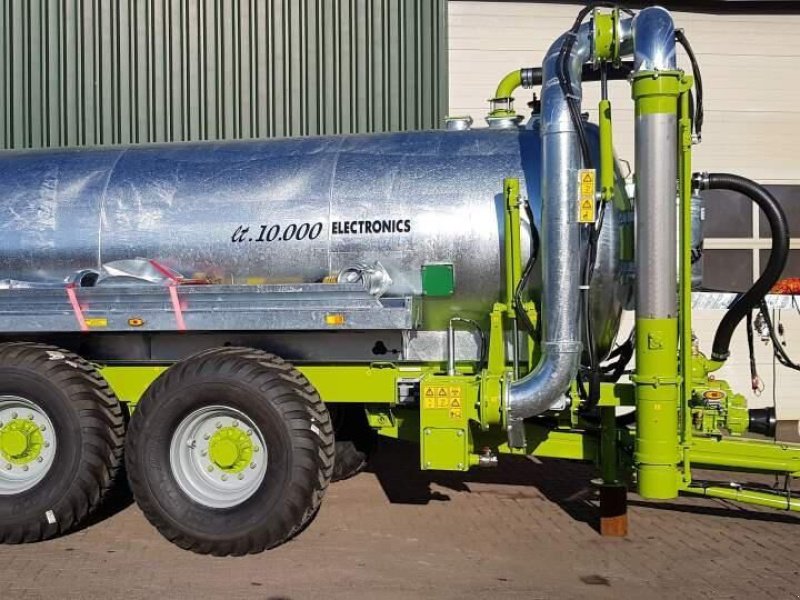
point(657, 391)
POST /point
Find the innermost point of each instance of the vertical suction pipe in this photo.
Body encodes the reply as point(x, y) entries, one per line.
point(560, 317)
point(656, 87)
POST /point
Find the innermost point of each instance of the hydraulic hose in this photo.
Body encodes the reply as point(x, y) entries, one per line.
point(778, 255)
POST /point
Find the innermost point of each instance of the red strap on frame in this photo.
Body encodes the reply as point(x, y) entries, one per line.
point(76, 307)
point(173, 293)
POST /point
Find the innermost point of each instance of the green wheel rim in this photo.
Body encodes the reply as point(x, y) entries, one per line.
point(27, 444)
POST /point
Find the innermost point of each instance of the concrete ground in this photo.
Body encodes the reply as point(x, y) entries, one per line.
point(524, 530)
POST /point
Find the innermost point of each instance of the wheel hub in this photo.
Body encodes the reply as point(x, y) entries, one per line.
point(20, 441)
point(230, 449)
point(218, 456)
point(27, 444)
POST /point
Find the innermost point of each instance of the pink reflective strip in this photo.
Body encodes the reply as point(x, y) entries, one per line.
point(163, 270)
point(76, 307)
point(176, 307)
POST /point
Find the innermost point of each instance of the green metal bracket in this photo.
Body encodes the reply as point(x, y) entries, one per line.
point(447, 405)
point(512, 246)
point(657, 391)
point(551, 443)
point(778, 500)
point(745, 454)
point(607, 181)
point(656, 91)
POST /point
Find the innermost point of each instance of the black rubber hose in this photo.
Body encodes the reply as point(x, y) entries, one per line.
point(532, 76)
point(778, 255)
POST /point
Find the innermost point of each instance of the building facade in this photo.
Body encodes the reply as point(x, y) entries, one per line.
point(98, 72)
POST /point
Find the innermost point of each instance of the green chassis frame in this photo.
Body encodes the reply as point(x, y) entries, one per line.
point(460, 419)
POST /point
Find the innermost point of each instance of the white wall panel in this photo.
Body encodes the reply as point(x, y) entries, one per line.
point(748, 62)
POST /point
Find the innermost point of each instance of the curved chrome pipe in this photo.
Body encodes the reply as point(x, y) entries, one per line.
point(653, 40)
point(560, 256)
point(650, 36)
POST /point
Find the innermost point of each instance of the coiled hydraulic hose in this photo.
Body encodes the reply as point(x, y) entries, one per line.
point(778, 255)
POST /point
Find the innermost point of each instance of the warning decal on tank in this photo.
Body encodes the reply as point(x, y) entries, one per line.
point(444, 398)
point(586, 196)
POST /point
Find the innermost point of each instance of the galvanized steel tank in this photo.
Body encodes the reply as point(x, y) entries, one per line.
point(291, 210)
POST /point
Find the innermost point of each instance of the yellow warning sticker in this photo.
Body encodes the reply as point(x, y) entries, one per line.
point(444, 398)
point(96, 322)
point(586, 196)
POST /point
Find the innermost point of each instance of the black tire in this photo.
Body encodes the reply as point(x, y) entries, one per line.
point(355, 440)
point(297, 432)
point(89, 427)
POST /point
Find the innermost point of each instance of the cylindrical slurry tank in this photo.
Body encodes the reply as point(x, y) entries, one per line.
point(291, 210)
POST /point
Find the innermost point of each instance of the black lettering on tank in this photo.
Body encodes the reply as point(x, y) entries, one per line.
point(239, 235)
point(289, 232)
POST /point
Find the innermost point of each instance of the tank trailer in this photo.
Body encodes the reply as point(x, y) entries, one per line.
point(233, 322)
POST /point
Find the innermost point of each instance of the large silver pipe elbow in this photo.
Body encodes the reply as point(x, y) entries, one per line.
point(561, 342)
point(653, 40)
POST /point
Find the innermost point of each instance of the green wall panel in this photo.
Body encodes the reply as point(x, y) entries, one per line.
point(89, 72)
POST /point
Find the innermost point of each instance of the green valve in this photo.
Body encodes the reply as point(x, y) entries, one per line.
point(438, 280)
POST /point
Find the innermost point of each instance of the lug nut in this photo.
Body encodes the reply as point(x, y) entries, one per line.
point(25, 467)
point(47, 444)
point(206, 437)
point(224, 478)
point(256, 448)
point(8, 467)
point(40, 459)
point(192, 444)
point(30, 417)
point(203, 453)
point(219, 425)
point(249, 431)
point(240, 476)
point(252, 465)
point(209, 468)
point(235, 423)
point(42, 427)
point(14, 415)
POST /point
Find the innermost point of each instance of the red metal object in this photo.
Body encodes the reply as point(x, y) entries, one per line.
point(788, 286)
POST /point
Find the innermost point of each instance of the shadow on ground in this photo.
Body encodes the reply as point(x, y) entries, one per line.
point(565, 483)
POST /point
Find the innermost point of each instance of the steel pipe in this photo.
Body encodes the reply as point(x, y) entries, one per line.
point(560, 317)
point(654, 49)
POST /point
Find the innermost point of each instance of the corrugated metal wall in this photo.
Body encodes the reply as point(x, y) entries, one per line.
point(86, 72)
